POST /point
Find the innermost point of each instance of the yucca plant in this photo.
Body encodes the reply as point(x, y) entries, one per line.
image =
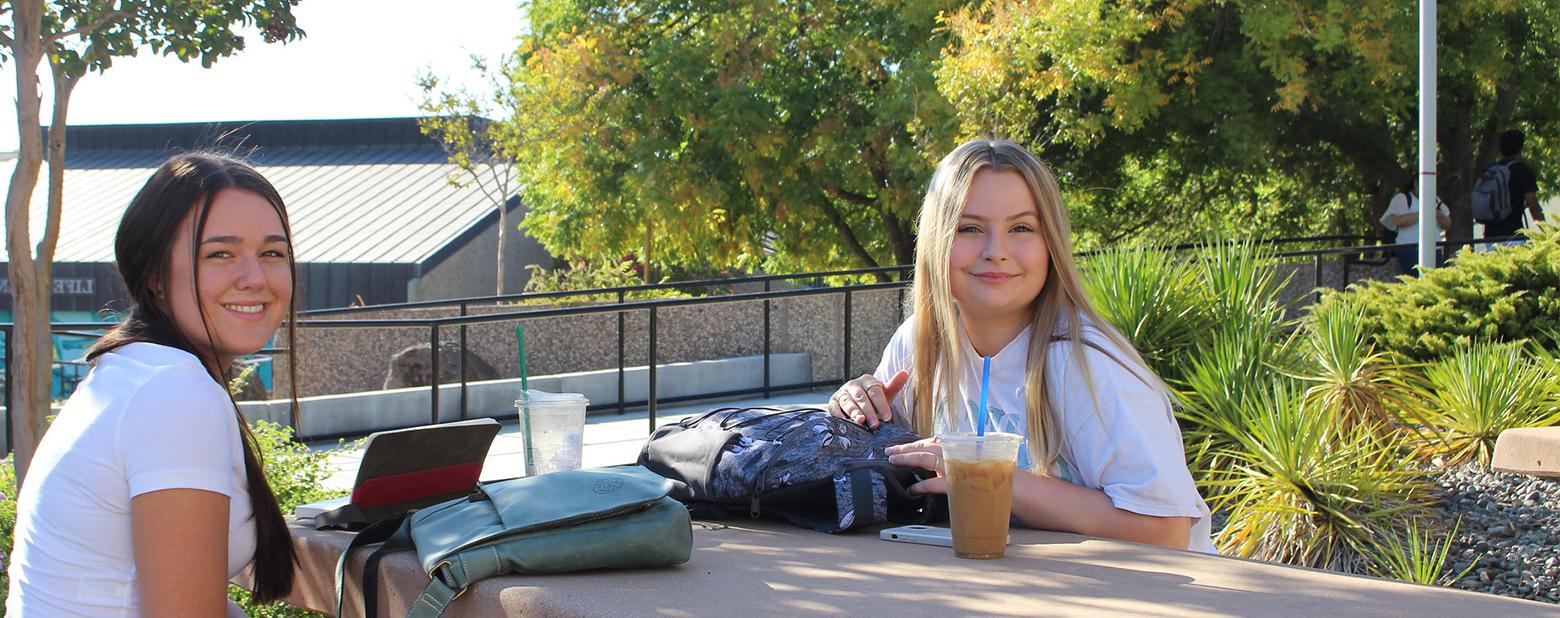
point(1227, 375)
point(1485, 389)
point(1304, 489)
point(1154, 298)
point(1242, 282)
point(1417, 556)
point(1347, 374)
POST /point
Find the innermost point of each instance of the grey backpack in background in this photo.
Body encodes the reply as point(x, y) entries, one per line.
point(1492, 194)
point(800, 465)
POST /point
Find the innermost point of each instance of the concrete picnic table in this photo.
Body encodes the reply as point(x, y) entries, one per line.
point(751, 567)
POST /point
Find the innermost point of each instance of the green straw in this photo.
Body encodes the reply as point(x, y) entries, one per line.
point(525, 414)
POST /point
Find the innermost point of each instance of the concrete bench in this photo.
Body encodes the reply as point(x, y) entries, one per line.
point(1534, 451)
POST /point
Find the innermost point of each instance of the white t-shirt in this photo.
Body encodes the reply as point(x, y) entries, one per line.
point(1127, 444)
point(148, 417)
point(1402, 205)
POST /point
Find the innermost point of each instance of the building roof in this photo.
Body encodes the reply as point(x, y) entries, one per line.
point(357, 191)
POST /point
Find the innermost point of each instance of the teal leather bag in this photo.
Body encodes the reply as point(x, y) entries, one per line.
point(604, 518)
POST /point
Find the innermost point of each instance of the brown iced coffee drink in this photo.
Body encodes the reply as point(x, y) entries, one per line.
point(979, 470)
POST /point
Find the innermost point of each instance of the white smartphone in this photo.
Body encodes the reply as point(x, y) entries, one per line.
point(925, 535)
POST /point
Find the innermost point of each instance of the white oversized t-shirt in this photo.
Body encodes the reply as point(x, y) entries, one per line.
point(146, 418)
point(1401, 204)
point(1127, 444)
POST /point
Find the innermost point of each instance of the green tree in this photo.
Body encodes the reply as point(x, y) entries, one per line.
point(1248, 115)
point(78, 37)
point(782, 133)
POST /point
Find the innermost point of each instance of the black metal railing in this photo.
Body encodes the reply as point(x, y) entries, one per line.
point(653, 307)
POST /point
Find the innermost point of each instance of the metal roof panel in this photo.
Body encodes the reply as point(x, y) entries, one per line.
point(372, 204)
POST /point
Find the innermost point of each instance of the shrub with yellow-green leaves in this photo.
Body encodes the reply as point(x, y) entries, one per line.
point(1510, 294)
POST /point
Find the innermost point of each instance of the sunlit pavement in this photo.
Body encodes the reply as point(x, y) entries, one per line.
point(610, 438)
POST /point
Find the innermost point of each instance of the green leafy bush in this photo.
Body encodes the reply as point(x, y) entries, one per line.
point(1510, 294)
point(591, 277)
point(1285, 423)
point(7, 523)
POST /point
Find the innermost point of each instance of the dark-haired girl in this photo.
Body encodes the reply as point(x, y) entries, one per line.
point(146, 495)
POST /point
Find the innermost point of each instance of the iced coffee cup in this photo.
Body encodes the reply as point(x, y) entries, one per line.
point(979, 471)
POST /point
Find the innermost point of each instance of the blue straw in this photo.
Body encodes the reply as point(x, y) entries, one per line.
point(985, 387)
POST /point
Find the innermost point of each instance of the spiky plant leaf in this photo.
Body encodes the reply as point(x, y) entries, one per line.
point(1304, 489)
point(1484, 389)
point(1154, 298)
point(1416, 556)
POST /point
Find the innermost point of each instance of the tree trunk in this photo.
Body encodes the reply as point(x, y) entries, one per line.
point(644, 260)
point(31, 350)
point(503, 222)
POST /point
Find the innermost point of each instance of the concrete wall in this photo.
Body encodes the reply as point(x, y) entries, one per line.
point(1300, 293)
point(346, 360)
point(361, 413)
point(471, 269)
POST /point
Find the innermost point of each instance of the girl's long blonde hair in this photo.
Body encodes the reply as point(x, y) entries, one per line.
point(1061, 303)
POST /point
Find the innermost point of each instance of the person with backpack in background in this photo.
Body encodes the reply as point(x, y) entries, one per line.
point(1402, 216)
point(995, 277)
point(1505, 190)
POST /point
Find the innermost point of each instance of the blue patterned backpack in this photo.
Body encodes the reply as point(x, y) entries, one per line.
point(800, 465)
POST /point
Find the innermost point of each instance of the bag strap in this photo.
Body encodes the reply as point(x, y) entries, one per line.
point(434, 598)
point(890, 474)
point(395, 534)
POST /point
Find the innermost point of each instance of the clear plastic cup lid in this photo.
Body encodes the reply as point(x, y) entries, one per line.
point(536, 396)
point(971, 437)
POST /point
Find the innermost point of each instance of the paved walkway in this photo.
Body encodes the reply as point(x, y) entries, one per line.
point(610, 438)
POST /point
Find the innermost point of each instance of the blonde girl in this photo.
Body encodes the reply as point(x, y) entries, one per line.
point(995, 277)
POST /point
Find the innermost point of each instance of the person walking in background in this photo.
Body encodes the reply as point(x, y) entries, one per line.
point(1402, 216)
point(1522, 186)
point(146, 495)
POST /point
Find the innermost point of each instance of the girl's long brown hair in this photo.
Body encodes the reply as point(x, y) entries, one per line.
point(189, 182)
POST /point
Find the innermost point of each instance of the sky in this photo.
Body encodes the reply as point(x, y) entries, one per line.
point(361, 59)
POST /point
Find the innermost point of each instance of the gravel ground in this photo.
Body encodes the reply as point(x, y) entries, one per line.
point(1510, 532)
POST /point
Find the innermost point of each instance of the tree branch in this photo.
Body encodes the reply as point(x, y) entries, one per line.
point(851, 242)
point(836, 192)
point(6, 40)
point(87, 29)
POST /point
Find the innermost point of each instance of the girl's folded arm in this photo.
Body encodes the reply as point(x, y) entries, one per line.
point(1053, 504)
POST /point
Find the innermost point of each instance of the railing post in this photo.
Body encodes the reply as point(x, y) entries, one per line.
point(1347, 259)
point(846, 362)
point(651, 398)
point(1317, 260)
point(767, 393)
point(621, 408)
point(433, 344)
point(462, 364)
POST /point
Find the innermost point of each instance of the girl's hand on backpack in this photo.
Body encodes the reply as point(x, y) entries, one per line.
point(925, 454)
point(865, 400)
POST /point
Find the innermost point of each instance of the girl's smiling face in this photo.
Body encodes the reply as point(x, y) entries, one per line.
point(999, 259)
point(245, 278)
